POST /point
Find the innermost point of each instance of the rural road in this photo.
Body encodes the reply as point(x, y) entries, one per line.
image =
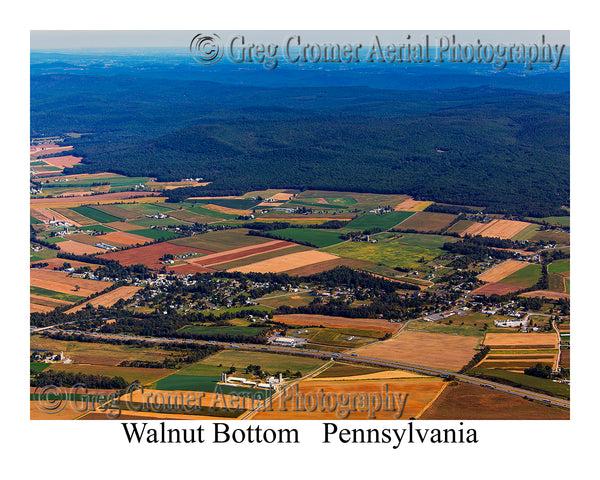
point(354, 358)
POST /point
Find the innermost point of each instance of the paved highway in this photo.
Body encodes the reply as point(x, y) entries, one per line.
point(354, 358)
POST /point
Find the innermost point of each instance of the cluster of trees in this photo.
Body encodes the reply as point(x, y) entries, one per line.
point(478, 357)
point(69, 379)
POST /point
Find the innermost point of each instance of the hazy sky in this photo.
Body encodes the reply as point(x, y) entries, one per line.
point(76, 39)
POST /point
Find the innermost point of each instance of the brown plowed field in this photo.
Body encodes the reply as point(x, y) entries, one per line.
point(496, 228)
point(123, 226)
point(429, 349)
point(49, 149)
point(547, 294)
point(497, 273)
point(286, 262)
point(472, 402)
point(420, 391)
point(150, 254)
point(45, 304)
point(301, 319)
point(502, 340)
point(78, 248)
point(318, 267)
point(238, 253)
point(495, 288)
point(108, 299)
point(85, 238)
point(66, 161)
point(60, 282)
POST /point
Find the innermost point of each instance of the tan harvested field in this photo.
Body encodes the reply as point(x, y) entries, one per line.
point(282, 196)
point(495, 288)
point(150, 254)
point(472, 402)
point(417, 392)
point(496, 228)
point(58, 262)
point(259, 257)
point(385, 374)
point(85, 238)
point(546, 294)
point(105, 198)
point(238, 253)
point(66, 161)
point(287, 262)
point(505, 341)
point(324, 266)
point(60, 282)
point(438, 350)
point(108, 299)
point(48, 149)
point(78, 248)
point(231, 211)
point(187, 216)
point(300, 319)
point(51, 303)
point(497, 273)
point(426, 222)
point(411, 205)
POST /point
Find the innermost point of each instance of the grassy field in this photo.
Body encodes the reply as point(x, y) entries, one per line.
point(319, 238)
point(395, 250)
point(211, 213)
point(562, 221)
point(271, 362)
point(468, 329)
point(237, 203)
point(528, 381)
point(43, 254)
point(95, 214)
point(55, 240)
point(221, 241)
point(427, 222)
point(34, 220)
point(52, 294)
point(560, 266)
point(158, 222)
point(460, 226)
point(362, 201)
point(526, 277)
point(372, 220)
point(560, 238)
point(38, 367)
point(526, 234)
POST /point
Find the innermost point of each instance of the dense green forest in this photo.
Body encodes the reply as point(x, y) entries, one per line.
point(502, 149)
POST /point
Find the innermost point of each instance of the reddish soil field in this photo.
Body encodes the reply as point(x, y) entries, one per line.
point(565, 358)
point(150, 254)
point(238, 253)
point(66, 161)
point(188, 268)
point(498, 288)
point(472, 402)
point(123, 238)
point(429, 349)
point(338, 322)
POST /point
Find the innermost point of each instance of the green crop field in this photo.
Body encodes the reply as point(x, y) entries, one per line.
point(38, 367)
point(52, 294)
point(55, 239)
point(560, 266)
point(34, 220)
point(526, 234)
point(157, 234)
point(99, 228)
point(95, 214)
point(237, 203)
point(319, 238)
point(211, 213)
point(395, 250)
point(218, 330)
point(116, 181)
point(157, 222)
point(526, 277)
point(372, 220)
